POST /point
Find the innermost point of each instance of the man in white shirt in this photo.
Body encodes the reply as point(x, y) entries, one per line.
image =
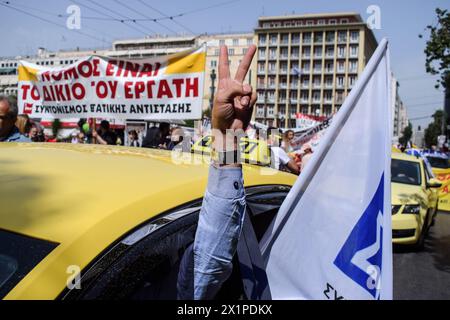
point(278, 157)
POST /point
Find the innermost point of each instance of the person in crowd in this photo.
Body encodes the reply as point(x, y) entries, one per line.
point(105, 135)
point(278, 157)
point(307, 154)
point(8, 117)
point(288, 136)
point(36, 133)
point(157, 137)
point(133, 140)
point(178, 140)
point(81, 137)
point(23, 123)
point(223, 209)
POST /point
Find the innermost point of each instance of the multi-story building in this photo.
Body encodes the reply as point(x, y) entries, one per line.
point(237, 44)
point(308, 64)
point(399, 113)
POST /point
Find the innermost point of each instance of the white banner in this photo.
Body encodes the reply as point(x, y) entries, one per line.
point(163, 87)
point(332, 236)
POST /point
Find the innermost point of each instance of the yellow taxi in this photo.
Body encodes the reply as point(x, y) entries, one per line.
point(253, 151)
point(107, 222)
point(441, 169)
point(414, 198)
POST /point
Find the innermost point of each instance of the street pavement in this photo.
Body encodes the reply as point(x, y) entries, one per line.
point(425, 274)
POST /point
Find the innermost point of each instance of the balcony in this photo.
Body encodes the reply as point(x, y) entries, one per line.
point(272, 57)
point(295, 56)
point(283, 71)
point(293, 100)
point(306, 41)
point(295, 41)
point(259, 114)
point(272, 71)
point(328, 85)
point(262, 43)
point(261, 57)
point(305, 85)
point(317, 71)
point(342, 40)
point(330, 40)
point(293, 86)
point(283, 85)
point(329, 71)
point(303, 100)
point(316, 100)
point(317, 85)
point(282, 100)
point(284, 56)
point(318, 56)
point(284, 43)
point(327, 100)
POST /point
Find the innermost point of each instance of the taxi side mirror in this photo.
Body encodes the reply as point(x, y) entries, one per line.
point(433, 183)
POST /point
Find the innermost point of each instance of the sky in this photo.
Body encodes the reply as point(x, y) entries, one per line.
point(42, 23)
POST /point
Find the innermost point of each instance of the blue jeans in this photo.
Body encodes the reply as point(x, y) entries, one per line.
point(219, 227)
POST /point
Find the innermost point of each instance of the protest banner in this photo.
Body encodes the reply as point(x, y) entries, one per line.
point(312, 135)
point(305, 121)
point(162, 87)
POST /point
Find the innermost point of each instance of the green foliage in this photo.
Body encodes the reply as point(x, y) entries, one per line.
point(189, 123)
point(406, 135)
point(434, 129)
point(438, 48)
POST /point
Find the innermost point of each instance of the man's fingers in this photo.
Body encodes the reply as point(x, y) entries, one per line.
point(224, 69)
point(245, 64)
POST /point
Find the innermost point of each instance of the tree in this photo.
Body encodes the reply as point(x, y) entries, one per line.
point(406, 135)
point(438, 49)
point(434, 129)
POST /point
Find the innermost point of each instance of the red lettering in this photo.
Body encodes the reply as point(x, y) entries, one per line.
point(113, 87)
point(127, 86)
point(81, 91)
point(157, 66)
point(192, 87)
point(146, 70)
point(138, 89)
point(59, 93)
point(110, 68)
point(164, 89)
point(81, 69)
point(95, 72)
point(47, 96)
point(45, 76)
point(178, 84)
point(25, 88)
point(101, 89)
point(150, 85)
point(35, 93)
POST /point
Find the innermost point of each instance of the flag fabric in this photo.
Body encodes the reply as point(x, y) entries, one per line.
point(332, 236)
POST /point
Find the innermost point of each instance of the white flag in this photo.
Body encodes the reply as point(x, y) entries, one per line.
point(332, 236)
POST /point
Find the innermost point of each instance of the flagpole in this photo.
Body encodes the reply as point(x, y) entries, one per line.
point(333, 131)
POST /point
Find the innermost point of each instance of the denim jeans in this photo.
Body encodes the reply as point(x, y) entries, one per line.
point(219, 227)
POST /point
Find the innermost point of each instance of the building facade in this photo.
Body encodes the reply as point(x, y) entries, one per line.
point(237, 44)
point(399, 113)
point(308, 64)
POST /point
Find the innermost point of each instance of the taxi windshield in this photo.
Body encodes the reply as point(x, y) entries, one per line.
point(407, 172)
point(437, 162)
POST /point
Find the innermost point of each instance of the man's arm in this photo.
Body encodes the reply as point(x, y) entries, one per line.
point(223, 208)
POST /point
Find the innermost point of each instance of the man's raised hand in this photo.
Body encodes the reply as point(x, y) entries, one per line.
point(233, 103)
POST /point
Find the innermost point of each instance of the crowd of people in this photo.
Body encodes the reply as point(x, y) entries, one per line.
point(16, 127)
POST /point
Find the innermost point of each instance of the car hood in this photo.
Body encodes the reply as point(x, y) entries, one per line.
point(407, 194)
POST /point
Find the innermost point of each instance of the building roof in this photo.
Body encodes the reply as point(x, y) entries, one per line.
point(311, 16)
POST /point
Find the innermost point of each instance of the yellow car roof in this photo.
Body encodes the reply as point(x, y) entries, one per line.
point(60, 191)
point(404, 156)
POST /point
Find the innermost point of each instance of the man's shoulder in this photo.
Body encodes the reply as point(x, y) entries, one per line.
point(16, 136)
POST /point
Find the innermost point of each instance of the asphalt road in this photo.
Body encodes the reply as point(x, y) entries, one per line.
point(425, 274)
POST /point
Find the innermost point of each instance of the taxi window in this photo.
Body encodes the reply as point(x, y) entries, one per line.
point(437, 162)
point(18, 256)
point(407, 172)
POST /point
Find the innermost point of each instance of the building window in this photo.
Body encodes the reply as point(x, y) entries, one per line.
point(332, 21)
point(249, 41)
point(262, 39)
point(354, 51)
point(244, 51)
point(221, 42)
point(235, 42)
point(307, 37)
point(309, 22)
point(262, 53)
point(344, 21)
point(320, 21)
point(213, 63)
point(273, 39)
point(354, 35)
point(216, 52)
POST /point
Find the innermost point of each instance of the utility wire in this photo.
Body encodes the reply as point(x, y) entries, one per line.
point(107, 15)
point(62, 16)
point(166, 16)
point(51, 22)
point(143, 15)
point(121, 15)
